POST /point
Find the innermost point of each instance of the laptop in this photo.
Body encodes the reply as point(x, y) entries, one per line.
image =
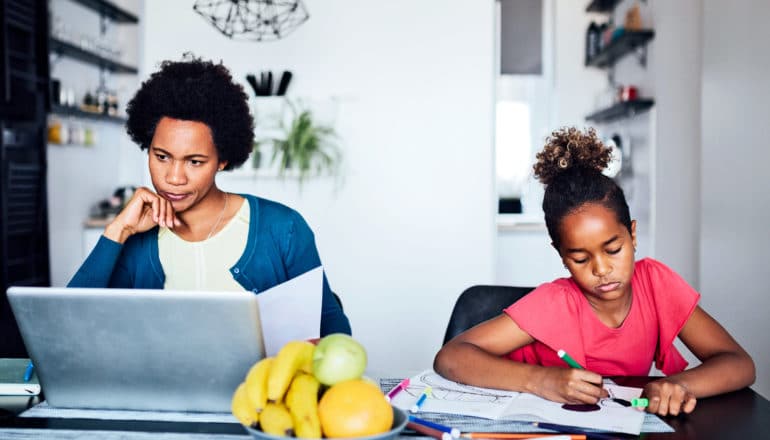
point(157, 350)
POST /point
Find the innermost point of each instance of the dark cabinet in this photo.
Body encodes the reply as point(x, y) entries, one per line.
point(24, 59)
point(24, 101)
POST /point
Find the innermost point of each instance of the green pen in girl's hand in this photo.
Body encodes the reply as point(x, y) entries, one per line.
point(566, 358)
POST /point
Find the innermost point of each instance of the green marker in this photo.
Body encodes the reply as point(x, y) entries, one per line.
point(566, 358)
point(640, 402)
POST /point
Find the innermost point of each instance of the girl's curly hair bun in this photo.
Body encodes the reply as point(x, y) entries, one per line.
point(569, 148)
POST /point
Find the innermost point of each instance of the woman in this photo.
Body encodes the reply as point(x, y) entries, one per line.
point(194, 121)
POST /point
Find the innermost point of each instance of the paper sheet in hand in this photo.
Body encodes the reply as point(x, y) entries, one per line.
point(454, 398)
point(291, 310)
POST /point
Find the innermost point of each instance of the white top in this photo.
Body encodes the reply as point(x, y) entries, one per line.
point(204, 265)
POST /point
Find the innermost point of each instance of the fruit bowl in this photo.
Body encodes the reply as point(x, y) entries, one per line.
point(399, 422)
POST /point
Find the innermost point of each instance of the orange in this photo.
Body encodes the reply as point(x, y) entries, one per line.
point(354, 408)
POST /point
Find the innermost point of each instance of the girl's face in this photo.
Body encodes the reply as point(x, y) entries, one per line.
point(183, 162)
point(598, 251)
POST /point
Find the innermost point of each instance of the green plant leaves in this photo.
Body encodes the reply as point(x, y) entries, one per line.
point(306, 146)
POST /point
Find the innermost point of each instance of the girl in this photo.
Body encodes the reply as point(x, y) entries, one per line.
point(186, 233)
point(614, 316)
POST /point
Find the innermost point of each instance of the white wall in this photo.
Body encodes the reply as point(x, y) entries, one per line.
point(735, 243)
point(413, 224)
point(676, 181)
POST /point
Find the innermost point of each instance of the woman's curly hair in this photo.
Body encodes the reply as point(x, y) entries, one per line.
point(195, 90)
point(571, 165)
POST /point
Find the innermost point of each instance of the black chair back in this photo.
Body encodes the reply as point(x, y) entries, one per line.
point(480, 303)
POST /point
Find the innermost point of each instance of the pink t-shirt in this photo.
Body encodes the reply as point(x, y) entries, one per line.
point(558, 316)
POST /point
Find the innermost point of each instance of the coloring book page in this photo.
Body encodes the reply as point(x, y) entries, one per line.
point(610, 414)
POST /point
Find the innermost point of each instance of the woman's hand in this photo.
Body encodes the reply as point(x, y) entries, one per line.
point(569, 385)
point(145, 210)
point(668, 397)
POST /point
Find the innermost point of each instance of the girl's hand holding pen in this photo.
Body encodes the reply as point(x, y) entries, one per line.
point(569, 385)
point(668, 397)
point(143, 211)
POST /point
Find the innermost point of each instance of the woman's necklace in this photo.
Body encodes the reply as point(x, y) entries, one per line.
point(221, 214)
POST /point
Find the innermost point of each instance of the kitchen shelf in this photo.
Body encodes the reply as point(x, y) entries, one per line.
point(620, 46)
point(624, 109)
point(76, 112)
point(110, 10)
point(602, 6)
point(72, 51)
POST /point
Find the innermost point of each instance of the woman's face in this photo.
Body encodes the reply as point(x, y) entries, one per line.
point(183, 162)
point(598, 251)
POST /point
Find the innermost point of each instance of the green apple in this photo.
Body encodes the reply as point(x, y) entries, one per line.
point(338, 357)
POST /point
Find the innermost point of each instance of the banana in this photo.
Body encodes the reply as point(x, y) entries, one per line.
point(289, 359)
point(302, 401)
point(256, 383)
point(242, 408)
point(276, 420)
point(307, 367)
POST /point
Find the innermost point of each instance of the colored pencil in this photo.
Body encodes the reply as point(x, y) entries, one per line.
point(421, 401)
point(519, 435)
point(568, 359)
point(566, 429)
point(392, 393)
point(453, 431)
point(435, 433)
point(28, 371)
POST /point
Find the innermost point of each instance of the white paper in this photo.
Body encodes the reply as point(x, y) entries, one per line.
point(454, 398)
point(19, 389)
point(291, 310)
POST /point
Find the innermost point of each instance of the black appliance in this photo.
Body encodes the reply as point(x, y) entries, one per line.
point(24, 103)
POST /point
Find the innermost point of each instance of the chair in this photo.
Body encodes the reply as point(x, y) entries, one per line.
point(480, 303)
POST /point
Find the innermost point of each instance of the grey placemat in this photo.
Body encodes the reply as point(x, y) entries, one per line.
point(652, 423)
point(74, 434)
point(44, 410)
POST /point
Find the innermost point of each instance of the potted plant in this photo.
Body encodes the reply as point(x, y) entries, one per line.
point(305, 145)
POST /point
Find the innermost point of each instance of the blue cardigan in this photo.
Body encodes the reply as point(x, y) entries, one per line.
point(280, 247)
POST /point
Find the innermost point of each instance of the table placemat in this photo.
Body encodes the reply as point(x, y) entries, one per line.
point(75, 434)
point(44, 410)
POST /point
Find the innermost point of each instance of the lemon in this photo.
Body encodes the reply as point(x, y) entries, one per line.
point(354, 408)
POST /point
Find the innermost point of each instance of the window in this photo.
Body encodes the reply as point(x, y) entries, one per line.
point(523, 102)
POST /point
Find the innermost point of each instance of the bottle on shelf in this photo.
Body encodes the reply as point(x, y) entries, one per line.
point(633, 20)
point(602, 33)
point(592, 41)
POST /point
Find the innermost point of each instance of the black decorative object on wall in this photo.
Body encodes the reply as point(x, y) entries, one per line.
point(258, 20)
